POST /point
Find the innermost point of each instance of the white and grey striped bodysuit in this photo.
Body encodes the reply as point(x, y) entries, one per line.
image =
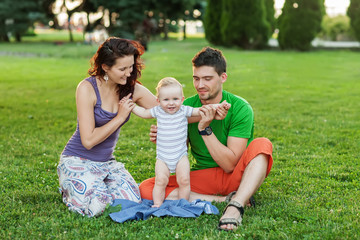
point(171, 134)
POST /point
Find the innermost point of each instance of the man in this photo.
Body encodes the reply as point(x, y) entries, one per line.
point(228, 158)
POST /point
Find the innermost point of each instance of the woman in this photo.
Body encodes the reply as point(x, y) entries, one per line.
point(89, 176)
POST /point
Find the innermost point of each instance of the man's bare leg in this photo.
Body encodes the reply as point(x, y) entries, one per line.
point(193, 196)
point(254, 176)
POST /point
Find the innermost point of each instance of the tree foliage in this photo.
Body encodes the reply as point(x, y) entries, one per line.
point(336, 28)
point(354, 13)
point(270, 14)
point(299, 23)
point(171, 10)
point(16, 17)
point(126, 16)
point(243, 23)
point(212, 22)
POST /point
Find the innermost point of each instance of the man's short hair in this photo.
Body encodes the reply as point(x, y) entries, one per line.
point(210, 57)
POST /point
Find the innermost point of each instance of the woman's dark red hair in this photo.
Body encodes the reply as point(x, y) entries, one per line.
point(112, 49)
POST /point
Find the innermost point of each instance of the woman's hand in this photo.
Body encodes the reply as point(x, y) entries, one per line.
point(125, 106)
point(153, 133)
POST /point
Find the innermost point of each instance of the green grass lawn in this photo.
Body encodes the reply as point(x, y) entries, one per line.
point(307, 104)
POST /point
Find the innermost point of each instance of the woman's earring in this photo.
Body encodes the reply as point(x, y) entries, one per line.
point(106, 77)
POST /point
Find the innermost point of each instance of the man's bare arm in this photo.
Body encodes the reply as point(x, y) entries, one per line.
point(225, 156)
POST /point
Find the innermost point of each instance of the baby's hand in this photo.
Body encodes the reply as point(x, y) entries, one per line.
point(221, 110)
point(225, 105)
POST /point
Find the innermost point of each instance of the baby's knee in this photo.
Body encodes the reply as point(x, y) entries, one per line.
point(161, 180)
point(183, 181)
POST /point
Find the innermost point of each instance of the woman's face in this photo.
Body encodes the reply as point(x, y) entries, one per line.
point(121, 70)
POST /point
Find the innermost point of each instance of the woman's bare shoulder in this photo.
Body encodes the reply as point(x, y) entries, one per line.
point(86, 89)
point(84, 84)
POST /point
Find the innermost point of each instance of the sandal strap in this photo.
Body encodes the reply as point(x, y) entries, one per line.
point(237, 205)
point(230, 196)
point(252, 201)
point(226, 221)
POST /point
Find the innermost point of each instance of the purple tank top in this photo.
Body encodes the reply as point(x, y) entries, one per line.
point(103, 151)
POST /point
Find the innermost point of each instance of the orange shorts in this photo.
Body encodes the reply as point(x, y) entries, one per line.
point(213, 181)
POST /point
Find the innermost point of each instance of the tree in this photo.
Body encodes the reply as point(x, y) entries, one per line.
point(16, 17)
point(212, 22)
point(194, 13)
point(69, 12)
point(354, 13)
point(125, 15)
point(299, 23)
point(243, 23)
point(87, 6)
point(270, 14)
point(336, 28)
point(171, 10)
point(4, 20)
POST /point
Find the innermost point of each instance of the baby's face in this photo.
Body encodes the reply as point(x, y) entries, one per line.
point(170, 98)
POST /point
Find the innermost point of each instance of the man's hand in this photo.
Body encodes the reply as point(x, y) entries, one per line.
point(207, 113)
point(153, 133)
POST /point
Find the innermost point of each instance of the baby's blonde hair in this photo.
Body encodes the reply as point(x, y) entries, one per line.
point(168, 81)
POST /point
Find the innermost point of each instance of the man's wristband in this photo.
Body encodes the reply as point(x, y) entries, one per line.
point(207, 131)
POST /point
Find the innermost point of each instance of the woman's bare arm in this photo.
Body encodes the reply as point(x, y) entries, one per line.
point(85, 102)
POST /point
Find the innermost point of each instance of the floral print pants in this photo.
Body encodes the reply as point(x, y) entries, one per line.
point(87, 187)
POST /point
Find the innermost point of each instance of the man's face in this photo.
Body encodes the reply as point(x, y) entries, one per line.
point(208, 84)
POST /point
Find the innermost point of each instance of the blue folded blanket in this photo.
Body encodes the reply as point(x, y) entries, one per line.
point(175, 208)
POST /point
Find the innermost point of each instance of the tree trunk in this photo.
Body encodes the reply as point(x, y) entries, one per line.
point(184, 35)
point(166, 28)
point(5, 38)
point(87, 27)
point(18, 37)
point(69, 28)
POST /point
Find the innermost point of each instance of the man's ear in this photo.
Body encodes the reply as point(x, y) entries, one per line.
point(223, 77)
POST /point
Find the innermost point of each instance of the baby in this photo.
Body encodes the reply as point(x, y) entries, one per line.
point(171, 148)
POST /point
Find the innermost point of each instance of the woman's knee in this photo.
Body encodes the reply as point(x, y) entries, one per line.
point(97, 202)
point(96, 208)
